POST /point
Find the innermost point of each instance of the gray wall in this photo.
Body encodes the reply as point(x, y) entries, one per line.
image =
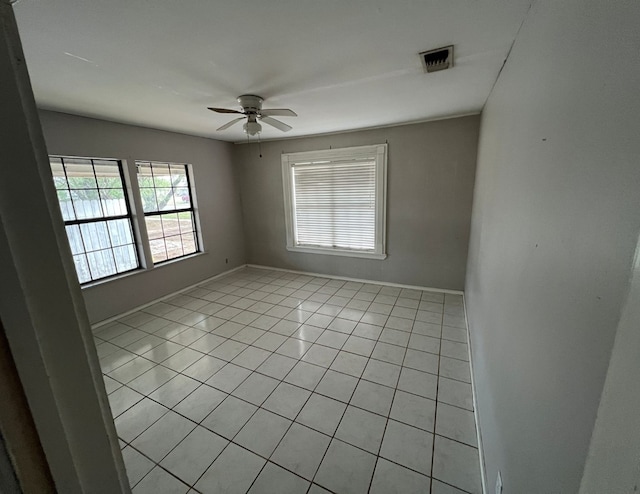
point(612, 463)
point(431, 169)
point(555, 223)
point(42, 313)
point(217, 196)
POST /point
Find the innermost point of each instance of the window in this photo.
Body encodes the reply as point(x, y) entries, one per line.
point(335, 201)
point(96, 215)
point(168, 209)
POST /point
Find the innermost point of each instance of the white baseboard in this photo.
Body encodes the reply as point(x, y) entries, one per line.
point(483, 472)
point(344, 278)
point(155, 301)
point(359, 280)
point(258, 266)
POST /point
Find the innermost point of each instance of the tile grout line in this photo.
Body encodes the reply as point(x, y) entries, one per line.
point(253, 370)
point(435, 412)
point(294, 421)
point(359, 379)
point(311, 343)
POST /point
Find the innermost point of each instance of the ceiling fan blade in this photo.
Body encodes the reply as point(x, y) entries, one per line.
point(276, 123)
point(224, 110)
point(229, 124)
point(278, 112)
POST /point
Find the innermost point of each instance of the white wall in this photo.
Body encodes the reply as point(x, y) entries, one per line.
point(430, 170)
point(217, 195)
point(554, 229)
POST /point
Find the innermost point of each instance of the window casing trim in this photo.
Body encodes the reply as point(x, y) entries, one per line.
point(377, 152)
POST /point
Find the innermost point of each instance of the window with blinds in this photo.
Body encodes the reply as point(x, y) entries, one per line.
point(335, 201)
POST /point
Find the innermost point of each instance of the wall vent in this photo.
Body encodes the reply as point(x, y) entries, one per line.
point(439, 59)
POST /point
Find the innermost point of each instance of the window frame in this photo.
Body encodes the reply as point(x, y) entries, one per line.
point(379, 153)
point(191, 209)
point(129, 216)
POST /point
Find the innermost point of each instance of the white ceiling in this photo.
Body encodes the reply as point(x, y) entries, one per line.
point(339, 64)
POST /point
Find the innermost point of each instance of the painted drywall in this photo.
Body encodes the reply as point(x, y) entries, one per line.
point(41, 306)
point(555, 223)
point(613, 461)
point(431, 170)
point(217, 196)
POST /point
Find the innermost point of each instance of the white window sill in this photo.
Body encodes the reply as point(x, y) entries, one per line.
point(178, 259)
point(337, 252)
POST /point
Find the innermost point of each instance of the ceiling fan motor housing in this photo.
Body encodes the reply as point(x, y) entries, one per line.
point(250, 103)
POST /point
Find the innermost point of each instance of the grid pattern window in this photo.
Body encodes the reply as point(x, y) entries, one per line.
point(169, 214)
point(335, 201)
point(97, 216)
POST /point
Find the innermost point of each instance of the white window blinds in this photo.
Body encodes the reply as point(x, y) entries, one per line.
point(335, 204)
point(335, 201)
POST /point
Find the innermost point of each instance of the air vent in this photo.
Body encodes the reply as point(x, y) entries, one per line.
point(435, 60)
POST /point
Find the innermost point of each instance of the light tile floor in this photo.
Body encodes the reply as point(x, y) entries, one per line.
point(273, 382)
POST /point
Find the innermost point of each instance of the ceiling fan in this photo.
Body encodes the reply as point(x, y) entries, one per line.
point(254, 114)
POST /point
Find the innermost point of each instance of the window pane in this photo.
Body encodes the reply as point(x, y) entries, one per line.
point(186, 223)
point(165, 200)
point(161, 175)
point(86, 203)
point(126, 258)
point(101, 264)
point(59, 178)
point(149, 203)
point(170, 224)
point(80, 173)
point(107, 174)
point(95, 236)
point(120, 232)
point(188, 243)
point(179, 176)
point(65, 205)
point(113, 202)
point(154, 227)
point(82, 268)
point(182, 198)
point(75, 239)
point(174, 246)
point(145, 183)
point(143, 169)
point(158, 251)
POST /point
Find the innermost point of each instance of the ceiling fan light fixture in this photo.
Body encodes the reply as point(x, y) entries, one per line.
point(252, 128)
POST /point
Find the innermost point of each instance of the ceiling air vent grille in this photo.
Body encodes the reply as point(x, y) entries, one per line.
point(435, 60)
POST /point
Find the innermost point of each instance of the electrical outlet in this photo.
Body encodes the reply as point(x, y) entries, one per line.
point(499, 484)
